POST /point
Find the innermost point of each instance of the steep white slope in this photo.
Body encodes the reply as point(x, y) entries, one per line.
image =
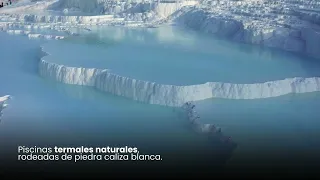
point(285, 24)
point(172, 95)
point(162, 9)
point(3, 103)
point(82, 11)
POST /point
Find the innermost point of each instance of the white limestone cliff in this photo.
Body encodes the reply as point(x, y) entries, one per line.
point(92, 11)
point(291, 25)
point(172, 95)
point(288, 25)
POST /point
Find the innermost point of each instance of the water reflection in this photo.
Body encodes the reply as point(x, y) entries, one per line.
point(190, 57)
point(91, 39)
point(164, 34)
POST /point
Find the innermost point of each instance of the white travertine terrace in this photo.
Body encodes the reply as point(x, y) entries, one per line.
point(3, 103)
point(291, 25)
point(172, 95)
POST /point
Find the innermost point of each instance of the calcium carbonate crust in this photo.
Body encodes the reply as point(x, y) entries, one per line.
point(171, 95)
point(3, 104)
point(93, 11)
point(291, 25)
point(249, 23)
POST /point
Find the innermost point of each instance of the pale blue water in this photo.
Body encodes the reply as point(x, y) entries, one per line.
point(43, 111)
point(48, 113)
point(275, 130)
point(170, 55)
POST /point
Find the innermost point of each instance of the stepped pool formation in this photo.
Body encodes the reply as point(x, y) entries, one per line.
point(122, 72)
point(175, 92)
